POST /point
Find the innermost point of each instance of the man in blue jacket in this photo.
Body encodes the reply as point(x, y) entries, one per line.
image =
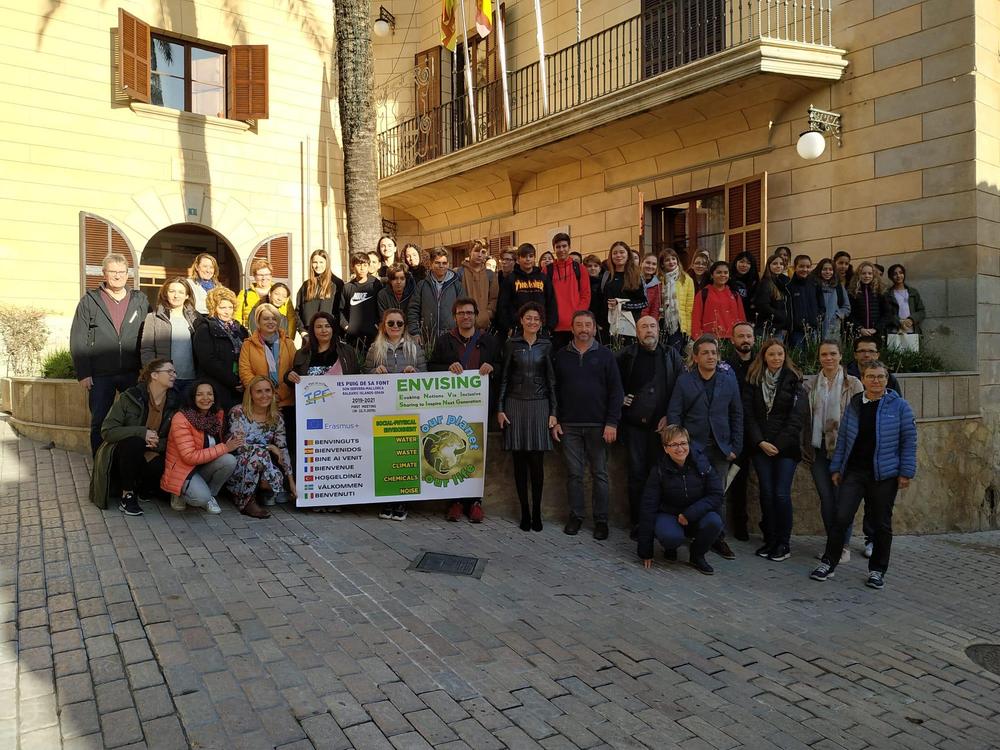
point(875, 457)
point(707, 403)
point(590, 406)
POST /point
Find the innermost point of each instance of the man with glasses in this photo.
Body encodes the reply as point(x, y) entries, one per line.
point(865, 351)
point(875, 457)
point(104, 340)
point(460, 349)
point(682, 500)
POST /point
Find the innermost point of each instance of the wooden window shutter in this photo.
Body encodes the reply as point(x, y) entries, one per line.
point(133, 56)
point(98, 238)
point(248, 91)
point(278, 251)
point(746, 218)
point(500, 243)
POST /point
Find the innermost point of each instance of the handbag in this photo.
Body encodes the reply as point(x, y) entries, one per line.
point(621, 322)
point(906, 342)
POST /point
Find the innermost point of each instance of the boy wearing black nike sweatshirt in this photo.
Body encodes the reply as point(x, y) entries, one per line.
point(360, 311)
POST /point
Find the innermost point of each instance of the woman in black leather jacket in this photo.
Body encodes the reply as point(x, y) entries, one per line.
point(528, 408)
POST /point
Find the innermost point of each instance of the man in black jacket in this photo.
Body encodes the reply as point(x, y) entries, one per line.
point(742, 337)
point(648, 371)
point(465, 348)
point(104, 340)
point(590, 407)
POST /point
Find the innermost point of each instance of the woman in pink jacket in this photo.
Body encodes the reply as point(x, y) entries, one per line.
point(198, 461)
point(716, 307)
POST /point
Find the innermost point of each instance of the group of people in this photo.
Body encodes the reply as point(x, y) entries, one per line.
point(206, 383)
point(187, 403)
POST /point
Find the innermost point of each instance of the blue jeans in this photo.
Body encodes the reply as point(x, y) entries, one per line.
point(580, 445)
point(671, 534)
point(774, 477)
point(828, 494)
point(101, 397)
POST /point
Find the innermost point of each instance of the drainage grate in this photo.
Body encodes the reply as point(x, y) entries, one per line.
point(457, 565)
point(986, 655)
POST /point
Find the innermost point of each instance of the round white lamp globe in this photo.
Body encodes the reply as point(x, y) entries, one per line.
point(382, 28)
point(811, 145)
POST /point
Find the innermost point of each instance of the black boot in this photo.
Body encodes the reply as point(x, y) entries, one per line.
point(525, 516)
point(536, 515)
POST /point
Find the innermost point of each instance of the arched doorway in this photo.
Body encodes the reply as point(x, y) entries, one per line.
point(171, 251)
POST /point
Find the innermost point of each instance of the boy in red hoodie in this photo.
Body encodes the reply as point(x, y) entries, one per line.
point(571, 287)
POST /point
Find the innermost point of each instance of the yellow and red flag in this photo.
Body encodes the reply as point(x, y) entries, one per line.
point(448, 36)
point(484, 17)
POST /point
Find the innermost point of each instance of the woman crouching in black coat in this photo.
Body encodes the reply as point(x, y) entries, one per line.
point(682, 499)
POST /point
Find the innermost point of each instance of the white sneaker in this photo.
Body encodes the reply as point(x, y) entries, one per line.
point(869, 548)
point(213, 506)
point(845, 556)
point(176, 503)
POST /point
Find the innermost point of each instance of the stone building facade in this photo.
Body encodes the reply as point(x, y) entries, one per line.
point(669, 121)
point(915, 180)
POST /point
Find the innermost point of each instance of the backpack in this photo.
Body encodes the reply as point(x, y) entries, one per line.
point(576, 271)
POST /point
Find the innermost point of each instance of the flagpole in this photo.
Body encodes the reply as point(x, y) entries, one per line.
point(543, 82)
point(470, 91)
point(502, 49)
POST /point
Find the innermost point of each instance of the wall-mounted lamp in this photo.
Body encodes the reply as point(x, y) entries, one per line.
point(385, 24)
point(812, 143)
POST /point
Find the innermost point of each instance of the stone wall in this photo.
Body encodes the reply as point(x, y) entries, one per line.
point(957, 487)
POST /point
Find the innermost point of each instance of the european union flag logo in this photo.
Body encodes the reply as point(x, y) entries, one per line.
point(314, 424)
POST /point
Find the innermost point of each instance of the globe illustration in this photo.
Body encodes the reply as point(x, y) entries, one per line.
point(443, 450)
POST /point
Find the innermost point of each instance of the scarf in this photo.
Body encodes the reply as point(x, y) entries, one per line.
point(208, 285)
point(272, 352)
point(824, 403)
point(671, 315)
point(769, 386)
point(207, 422)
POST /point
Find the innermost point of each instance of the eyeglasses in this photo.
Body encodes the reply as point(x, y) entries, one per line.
point(677, 445)
point(875, 377)
point(170, 371)
point(465, 312)
point(109, 272)
point(393, 324)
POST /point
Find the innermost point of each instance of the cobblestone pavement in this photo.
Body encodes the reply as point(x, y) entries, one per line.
point(184, 630)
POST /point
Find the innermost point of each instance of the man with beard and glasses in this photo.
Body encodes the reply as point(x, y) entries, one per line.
point(649, 369)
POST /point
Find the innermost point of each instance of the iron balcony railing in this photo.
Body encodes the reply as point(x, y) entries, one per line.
point(668, 35)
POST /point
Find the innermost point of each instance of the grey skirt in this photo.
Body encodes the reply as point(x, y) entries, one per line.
point(529, 425)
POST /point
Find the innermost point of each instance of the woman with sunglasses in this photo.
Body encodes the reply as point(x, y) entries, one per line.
point(394, 351)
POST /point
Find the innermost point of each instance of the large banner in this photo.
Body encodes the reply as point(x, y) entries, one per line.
point(389, 438)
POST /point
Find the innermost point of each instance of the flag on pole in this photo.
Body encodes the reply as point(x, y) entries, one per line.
point(484, 17)
point(448, 36)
